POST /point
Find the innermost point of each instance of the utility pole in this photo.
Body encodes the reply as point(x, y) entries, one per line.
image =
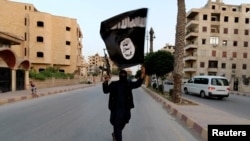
point(147, 41)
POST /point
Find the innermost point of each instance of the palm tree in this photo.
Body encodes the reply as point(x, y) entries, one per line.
point(179, 50)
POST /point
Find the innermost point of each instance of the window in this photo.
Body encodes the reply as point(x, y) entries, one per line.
point(235, 31)
point(204, 17)
point(247, 21)
point(67, 56)
point(67, 42)
point(233, 66)
point(213, 53)
point(214, 30)
point(67, 28)
point(225, 31)
point(244, 55)
point(25, 51)
point(213, 6)
point(234, 54)
point(224, 9)
point(226, 19)
point(224, 54)
point(41, 69)
point(39, 39)
point(223, 65)
point(234, 10)
point(201, 80)
point(245, 44)
point(214, 41)
point(25, 21)
point(203, 41)
point(247, 10)
point(236, 19)
point(40, 24)
point(39, 54)
point(235, 43)
point(219, 82)
point(212, 64)
point(204, 29)
point(25, 36)
point(214, 18)
point(202, 64)
point(244, 66)
point(246, 32)
point(224, 42)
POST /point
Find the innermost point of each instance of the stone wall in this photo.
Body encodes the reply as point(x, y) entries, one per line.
point(55, 82)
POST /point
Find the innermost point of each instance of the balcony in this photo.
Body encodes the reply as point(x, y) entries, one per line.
point(192, 24)
point(191, 47)
point(191, 34)
point(192, 13)
point(190, 57)
point(190, 69)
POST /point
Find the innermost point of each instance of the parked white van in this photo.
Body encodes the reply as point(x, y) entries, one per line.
point(207, 86)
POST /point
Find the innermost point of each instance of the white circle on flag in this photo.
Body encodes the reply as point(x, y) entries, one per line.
point(127, 48)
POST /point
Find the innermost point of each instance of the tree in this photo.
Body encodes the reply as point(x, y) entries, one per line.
point(159, 63)
point(179, 50)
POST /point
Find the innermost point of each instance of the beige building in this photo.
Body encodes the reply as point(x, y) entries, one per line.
point(48, 40)
point(217, 41)
point(96, 61)
point(14, 65)
point(169, 48)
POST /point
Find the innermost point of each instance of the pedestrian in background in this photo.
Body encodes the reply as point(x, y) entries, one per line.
point(33, 88)
point(121, 100)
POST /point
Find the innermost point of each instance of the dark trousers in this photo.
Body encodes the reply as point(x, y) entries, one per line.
point(119, 118)
point(118, 131)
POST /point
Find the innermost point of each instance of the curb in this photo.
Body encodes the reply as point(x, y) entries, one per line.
point(190, 123)
point(32, 96)
point(240, 93)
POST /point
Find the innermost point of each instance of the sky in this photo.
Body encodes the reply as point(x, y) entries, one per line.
point(90, 13)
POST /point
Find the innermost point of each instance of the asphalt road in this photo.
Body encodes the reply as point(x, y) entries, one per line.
point(83, 115)
point(235, 104)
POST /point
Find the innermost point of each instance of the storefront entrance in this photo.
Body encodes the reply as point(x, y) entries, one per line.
point(5, 81)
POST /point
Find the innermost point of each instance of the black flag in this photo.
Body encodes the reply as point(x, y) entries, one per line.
point(124, 37)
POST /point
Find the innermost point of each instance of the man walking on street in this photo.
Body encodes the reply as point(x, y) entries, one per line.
point(121, 100)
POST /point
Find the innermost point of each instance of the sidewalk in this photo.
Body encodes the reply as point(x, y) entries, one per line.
point(10, 97)
point(196, 117)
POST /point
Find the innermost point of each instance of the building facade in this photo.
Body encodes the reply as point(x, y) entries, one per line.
point(14, 66)
point(217, 41)
point(169, 48)
point(96, 61)
point(48, 40)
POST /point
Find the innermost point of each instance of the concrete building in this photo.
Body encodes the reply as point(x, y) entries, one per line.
point(169, 48)
point(14, 65)
point(217, 41)
point(48, 40)
point(95, 61)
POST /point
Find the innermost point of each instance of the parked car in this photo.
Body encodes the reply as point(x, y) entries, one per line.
point(167, 85)
point(207, 86)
